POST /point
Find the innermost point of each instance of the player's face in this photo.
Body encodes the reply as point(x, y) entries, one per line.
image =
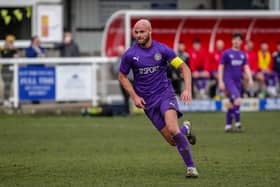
point(142, 35)
point(236, 43)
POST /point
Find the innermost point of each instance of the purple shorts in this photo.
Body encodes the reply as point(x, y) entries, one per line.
point(156, 113)
point(233, 89)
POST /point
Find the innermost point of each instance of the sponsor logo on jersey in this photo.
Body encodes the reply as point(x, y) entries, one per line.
point(149, 70)
point(236, 62)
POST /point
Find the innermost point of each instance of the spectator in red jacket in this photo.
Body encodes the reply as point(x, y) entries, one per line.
point(214, 61)
point(199, 68)
point(215, 58)
point(252, 59)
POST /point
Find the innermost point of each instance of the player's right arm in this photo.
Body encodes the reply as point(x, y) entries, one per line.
point(138, 101)
point(125, 68)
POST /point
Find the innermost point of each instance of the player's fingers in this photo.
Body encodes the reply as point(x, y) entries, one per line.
point(183, 98)
point(188, 99)
point(143, 101)
point(140, 105)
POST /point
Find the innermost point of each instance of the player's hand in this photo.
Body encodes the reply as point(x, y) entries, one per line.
point(186, 96)
point(139, 102)
point(222, 86)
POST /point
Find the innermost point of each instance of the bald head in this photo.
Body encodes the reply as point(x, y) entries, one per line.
point(142, 32)
point(143, 23)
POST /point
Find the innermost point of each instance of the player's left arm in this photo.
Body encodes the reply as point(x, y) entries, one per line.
point(178, 63)
point(249, 75)
point(248, 71)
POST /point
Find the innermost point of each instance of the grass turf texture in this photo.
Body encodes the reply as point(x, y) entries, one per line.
point(119, 151)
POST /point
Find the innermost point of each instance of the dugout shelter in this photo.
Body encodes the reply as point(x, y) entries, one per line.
point(172, 27)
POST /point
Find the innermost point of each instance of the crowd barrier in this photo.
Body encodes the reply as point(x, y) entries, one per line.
point(247, 104)
point(90, 79)
point(58, 79)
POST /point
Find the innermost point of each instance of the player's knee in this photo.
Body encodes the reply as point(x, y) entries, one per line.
point(172, 131)
point(229, 105)
point(167, 136)
point(237, 101)
point(171, 142)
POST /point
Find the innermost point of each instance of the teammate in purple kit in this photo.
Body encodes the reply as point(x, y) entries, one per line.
point(152, 91)
point(230, 80)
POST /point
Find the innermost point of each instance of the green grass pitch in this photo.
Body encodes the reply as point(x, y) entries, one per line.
point(128, 151)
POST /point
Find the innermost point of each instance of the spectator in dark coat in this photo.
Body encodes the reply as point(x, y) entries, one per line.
point(69, 47)
point(35, 49)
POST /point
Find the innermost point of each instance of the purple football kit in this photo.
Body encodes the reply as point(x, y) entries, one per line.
point(233, 61)
point(149, 66)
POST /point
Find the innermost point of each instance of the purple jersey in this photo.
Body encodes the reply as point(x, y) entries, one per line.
point(149, 66)
point(233, 62)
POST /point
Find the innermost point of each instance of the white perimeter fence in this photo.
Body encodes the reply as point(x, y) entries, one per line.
point(61, 79)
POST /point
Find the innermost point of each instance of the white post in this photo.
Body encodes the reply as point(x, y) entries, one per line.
point(16, 90)
point(94, 84)
point(103, 83)
point(127, 31)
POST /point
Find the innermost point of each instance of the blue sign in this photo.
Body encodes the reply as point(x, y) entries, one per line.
point(270, 104)
point(36, 83)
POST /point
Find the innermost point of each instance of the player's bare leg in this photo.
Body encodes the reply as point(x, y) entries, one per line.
point(172, 130)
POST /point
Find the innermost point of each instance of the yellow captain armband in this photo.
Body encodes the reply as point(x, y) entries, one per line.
point(176, 62)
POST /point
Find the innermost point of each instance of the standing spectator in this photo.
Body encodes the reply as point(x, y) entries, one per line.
point(174, 74)
point(215, 58)
point(69, 47)
point(115, 72)
point(252, 59)
point(214, 62)
point(8, 51)
point(199, 68)
point(35, 49)
point(265, 66)
point(182, 53)
point(276, 61)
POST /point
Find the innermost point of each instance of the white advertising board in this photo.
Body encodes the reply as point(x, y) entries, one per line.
point(73, 83)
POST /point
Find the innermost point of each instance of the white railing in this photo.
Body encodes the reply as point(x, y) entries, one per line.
point(95, 63)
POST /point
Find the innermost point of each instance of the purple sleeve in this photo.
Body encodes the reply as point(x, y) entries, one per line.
point(224, 58)
point(125, 64)
point(169, 54)
point(245, 61)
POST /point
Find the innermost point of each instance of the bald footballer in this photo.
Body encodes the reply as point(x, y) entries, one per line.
point(153, 92)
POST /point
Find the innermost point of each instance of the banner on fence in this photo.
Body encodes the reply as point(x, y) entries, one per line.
point(36, 83)
point(73, 83)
